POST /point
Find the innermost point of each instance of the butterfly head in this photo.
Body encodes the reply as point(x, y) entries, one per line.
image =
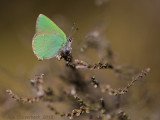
point(69, 40)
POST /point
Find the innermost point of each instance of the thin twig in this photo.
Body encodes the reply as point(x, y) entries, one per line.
point(21, 99)
point(111, 91)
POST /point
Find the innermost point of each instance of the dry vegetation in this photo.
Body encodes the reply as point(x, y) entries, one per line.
point(77, 89)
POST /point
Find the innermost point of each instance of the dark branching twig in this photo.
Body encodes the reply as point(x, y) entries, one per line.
point(79, 64)
point(84, 108)
point(111, 91)
point(75, 112)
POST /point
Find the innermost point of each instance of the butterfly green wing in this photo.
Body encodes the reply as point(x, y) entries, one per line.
point(46, 26)
point(46, 46)
point(49, 38)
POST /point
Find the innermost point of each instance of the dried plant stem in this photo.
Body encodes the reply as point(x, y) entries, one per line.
point(84, 108)
point(79, 64)
point(111, 91)
point(75, 112)
point(23, 100)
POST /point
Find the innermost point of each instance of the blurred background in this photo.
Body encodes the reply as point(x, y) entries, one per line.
point(131, 28)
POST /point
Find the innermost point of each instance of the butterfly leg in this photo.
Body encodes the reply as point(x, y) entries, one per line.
point(58, 56)
point(40, 59)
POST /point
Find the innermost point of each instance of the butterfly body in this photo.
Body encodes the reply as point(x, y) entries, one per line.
point(49, 39)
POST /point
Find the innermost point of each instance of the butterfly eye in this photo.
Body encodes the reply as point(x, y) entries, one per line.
point(70, 40)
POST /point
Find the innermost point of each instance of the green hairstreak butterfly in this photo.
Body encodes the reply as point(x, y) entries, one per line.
point(49, 39)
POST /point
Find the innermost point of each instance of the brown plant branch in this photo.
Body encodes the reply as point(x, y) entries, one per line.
point(21, 99)
point(79, 64)
point(111, 91)
point(75, 112)
point(84, 108)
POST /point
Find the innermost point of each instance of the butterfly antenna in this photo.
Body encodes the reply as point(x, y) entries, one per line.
point(73, 30)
